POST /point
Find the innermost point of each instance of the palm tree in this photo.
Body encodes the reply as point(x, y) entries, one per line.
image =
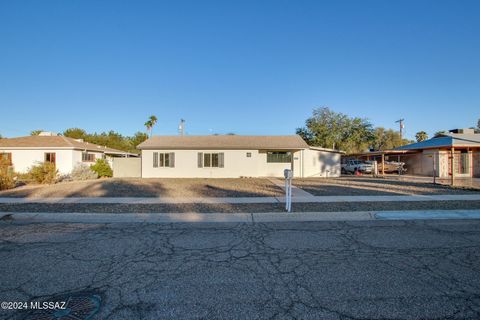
point(150, 123)
point(421, 136)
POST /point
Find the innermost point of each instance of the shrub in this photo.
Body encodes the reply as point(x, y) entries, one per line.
point(102, 168)
point(7, 180)
point(83, 172)
point(44, 172)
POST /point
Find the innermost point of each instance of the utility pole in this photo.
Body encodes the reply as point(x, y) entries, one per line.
point(181, 127)
point(401, 127)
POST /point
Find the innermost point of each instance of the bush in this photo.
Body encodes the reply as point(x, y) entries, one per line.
point(83, 172)
point(44, 173)
point(7, 180)
point(102, 168)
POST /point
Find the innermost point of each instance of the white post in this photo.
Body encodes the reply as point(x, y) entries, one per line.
point(288, 189)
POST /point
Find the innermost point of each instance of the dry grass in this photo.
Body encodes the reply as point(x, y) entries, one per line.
point(251, 187)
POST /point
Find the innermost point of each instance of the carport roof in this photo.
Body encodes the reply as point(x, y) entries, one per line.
point(225, 142)
point(445, 141)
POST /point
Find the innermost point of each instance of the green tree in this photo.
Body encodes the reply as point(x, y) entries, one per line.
point(36, 132)
point(75, 133)
point(421, 136)
point(138, 138)
point(102, 168)
point(386, 139)
point(440, 133)
point(329, 129)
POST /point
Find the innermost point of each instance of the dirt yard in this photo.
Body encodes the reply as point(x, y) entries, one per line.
point(366, 186)
point(248, 187)
point(116, 187)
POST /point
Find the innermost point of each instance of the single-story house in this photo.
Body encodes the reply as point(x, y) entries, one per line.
point(460, 149)
point(66, 153)
point(233, 156)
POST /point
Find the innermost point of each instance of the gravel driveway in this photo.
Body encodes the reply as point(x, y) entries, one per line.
point(366, 186)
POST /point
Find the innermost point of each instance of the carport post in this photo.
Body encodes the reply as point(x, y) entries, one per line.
point(383, 164)
point(434, 168)
point(452, 163)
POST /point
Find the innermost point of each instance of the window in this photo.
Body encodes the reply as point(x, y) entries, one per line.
point(166, 160)
point(249, 154)
point(279, 157)
point(211, 160)
point(7, 156)
point(88, 157)
point(50, 157)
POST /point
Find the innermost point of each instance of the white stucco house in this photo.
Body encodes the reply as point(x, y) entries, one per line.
point(66, 153)
point(233, 156)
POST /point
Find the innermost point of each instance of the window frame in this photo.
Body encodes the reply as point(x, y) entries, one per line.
point(49, 156)
point(163, 160)
point(275, 157)
point(88, 156)
point(211, 159)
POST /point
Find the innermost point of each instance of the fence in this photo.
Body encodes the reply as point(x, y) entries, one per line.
point(127, 167)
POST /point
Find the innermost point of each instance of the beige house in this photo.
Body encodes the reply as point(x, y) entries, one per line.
point(459, 149)
point(66, 153)
point(233, 156)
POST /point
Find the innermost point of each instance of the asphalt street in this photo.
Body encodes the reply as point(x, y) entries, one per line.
point(291, 270)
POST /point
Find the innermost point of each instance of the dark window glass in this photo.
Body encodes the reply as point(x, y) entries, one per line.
point(88, 157)
point(279, 157)
point(215, 160)
point(206, 159)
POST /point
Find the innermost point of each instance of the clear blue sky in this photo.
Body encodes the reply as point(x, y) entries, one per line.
point(249, 67)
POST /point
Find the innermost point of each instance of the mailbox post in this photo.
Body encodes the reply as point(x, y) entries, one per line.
point(288, 174)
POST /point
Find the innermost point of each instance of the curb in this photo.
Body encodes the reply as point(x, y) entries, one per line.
point(50, 217)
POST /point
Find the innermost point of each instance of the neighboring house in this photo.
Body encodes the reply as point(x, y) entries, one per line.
point(66, 153)
point(233, 156)
point(463, 144)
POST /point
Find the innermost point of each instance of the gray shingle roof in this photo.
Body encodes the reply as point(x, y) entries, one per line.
point(225, 142)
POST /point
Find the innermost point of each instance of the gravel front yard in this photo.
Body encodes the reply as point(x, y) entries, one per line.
point(248, 187)
point(366, 186)
point(235, 208)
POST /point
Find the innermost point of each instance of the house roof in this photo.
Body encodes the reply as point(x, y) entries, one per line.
point(445, 141)
point(326, 150)
point(225, 142)
point(54, 142)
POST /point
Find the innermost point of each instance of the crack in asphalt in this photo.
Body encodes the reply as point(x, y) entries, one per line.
point(329, 270)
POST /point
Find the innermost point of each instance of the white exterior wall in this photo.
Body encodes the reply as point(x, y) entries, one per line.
point(237, 164)
point(23, 159)
point(316, 163)
point(66, 159)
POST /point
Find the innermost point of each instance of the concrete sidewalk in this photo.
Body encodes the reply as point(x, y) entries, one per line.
point(240, 200)
point(36, 217)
